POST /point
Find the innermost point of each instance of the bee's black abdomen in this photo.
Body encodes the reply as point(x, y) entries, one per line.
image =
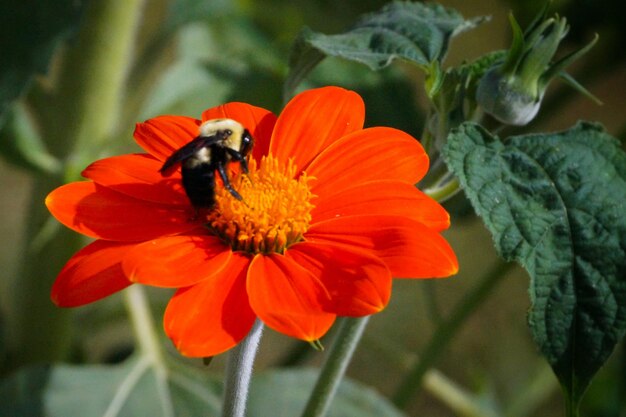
point(199, 184)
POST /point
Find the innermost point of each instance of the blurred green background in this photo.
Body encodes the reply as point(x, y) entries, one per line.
point(238, 51)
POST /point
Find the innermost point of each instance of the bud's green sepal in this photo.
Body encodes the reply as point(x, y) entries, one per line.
point(512, 91)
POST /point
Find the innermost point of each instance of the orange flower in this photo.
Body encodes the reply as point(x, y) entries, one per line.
point(329, 214)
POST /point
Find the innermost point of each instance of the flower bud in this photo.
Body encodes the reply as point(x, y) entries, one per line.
point(506, 99)
point(513, 90)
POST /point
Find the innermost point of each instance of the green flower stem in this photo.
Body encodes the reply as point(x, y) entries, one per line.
point(149, 343)
point(539, 388)
point(339, 356)
point(537, 391)
point(81, 109)
point(460, 401)
point(427, 141)
point(143, 324)
point(446, 331)
point(239, 372)
point(93, 81)
point(442, 192)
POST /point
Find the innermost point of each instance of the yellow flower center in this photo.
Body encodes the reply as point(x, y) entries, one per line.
point(274, 213)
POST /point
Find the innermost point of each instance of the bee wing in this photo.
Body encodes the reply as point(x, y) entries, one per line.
point(188, 150)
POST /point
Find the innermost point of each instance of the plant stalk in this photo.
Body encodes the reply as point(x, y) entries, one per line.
point(149, 343)
point(92, 84)
point(143, 323)
point(239, 372)
point(86, 101)
point(339, 356)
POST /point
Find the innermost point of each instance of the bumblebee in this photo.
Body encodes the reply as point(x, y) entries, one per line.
point(220, 141)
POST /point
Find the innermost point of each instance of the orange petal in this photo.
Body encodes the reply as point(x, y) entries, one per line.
point(211, 317)
point(162, 135)
point(288, 298)
point(410, 249)
point(257, 120)
point(92, 273)
point(377, 153)
point(176, 261)
point(98, 212)
point(138, 176)
point(313, 120)
point(359, 283)
point(386, 197)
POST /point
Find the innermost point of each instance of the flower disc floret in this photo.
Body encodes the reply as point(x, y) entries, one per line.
point(275, 211)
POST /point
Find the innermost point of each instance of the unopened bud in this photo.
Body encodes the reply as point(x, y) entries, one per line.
point(513, 90)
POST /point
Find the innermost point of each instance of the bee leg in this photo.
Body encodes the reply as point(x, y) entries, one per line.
point(244, 165)
point(244, 168)
point(237, 156)
point(222, 172)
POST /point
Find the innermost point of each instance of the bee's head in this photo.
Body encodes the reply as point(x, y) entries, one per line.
point(246, 143)
point(231, 134)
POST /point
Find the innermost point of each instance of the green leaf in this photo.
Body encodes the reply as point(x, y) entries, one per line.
point(22, 144)
point(29, 34)
point(417, 32)
point(284, 393)
point(134, 388)
point(555, 203)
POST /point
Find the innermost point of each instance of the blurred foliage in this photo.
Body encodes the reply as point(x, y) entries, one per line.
point(192, 55)
point(41, 28)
